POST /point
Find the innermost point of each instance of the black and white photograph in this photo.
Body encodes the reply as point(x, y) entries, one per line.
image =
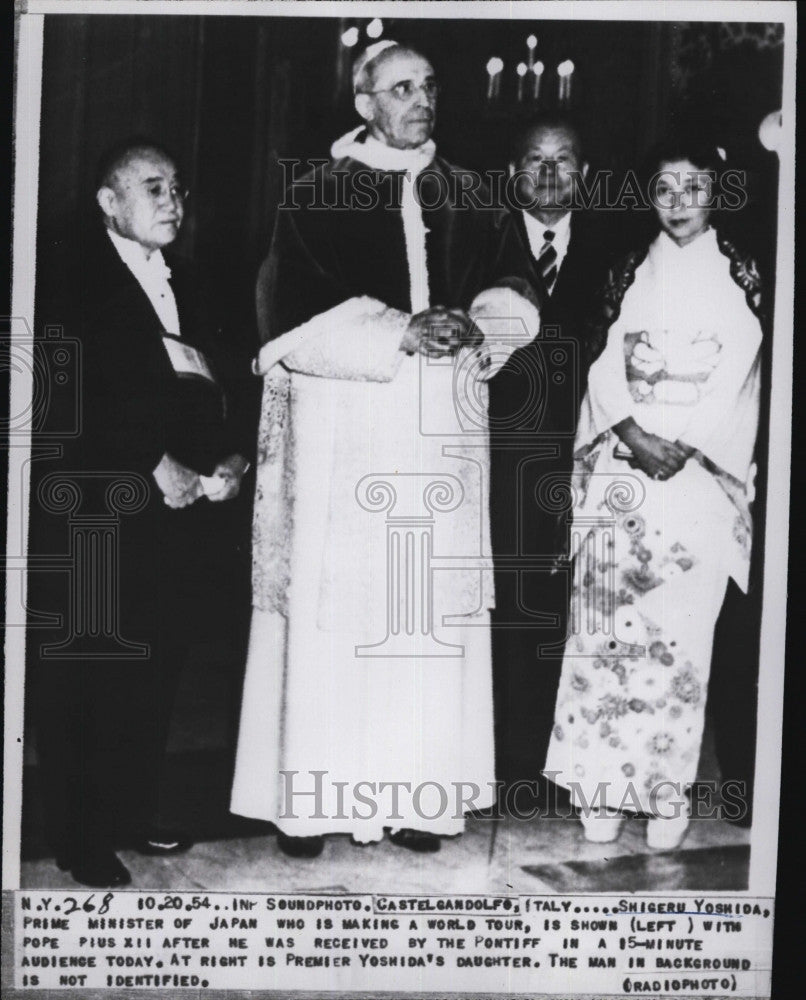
point(399, 442)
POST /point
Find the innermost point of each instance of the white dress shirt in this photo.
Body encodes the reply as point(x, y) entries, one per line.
point(152, 274)
point(535, 231)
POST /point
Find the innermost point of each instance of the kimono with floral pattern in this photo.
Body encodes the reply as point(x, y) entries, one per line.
point(653, 557)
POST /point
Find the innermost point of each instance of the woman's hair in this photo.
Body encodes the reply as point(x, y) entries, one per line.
point(676, 147)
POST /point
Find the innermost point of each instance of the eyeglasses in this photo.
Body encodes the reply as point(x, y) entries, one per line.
point(159, 192)
point(406, 89)
point(696, 196)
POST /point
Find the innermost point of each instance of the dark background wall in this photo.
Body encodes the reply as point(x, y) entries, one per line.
point(232, 94)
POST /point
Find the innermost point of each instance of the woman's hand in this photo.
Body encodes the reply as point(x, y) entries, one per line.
point(656, 457)
point(653, 455)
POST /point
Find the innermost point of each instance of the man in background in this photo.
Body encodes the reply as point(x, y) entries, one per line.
point(159, 451)
point(534, 402)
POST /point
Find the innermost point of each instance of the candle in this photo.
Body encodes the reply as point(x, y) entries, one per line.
point(537, 71)
point(564, 72)
point(531, 45)
point(494, 67)
point(520, 69)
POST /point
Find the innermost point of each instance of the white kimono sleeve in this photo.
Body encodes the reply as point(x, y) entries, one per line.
point(607, 401)
point(724, 423)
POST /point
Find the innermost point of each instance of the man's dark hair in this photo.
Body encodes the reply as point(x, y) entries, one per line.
point(118, 154)
point(548, 121)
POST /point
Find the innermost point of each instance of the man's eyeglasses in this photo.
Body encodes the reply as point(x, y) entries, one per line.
point(159, 192)
point(406, 89)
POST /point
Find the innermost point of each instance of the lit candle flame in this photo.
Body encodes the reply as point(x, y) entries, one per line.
point(520, 69)
point(531, 42)
point(350, 37)
point(495, 65)
point(375, 28)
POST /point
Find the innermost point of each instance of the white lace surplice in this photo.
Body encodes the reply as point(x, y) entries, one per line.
point(354, 434)
point(654, 557)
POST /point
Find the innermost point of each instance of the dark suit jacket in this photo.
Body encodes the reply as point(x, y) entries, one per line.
point(534, 404)
point(132, 408)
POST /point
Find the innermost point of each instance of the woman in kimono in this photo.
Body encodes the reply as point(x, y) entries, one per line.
point(661, 521)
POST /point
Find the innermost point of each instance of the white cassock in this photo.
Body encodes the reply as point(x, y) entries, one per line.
point(368, 679)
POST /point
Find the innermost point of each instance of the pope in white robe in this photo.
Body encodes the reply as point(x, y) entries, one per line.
point(367, 702)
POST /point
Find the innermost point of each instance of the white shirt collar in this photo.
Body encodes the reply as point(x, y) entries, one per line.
point(152, 274)
point(561, 228)
point(535, 231)
point(135, 256)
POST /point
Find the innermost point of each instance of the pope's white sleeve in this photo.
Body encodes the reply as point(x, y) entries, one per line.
point(508, 321)
point(359, 339)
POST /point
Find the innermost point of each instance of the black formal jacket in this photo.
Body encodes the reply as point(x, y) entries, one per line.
point(133, 406)
point(111, 406)
point(535, 399)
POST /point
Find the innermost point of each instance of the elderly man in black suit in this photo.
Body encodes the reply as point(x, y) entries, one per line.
point(160, 448)
point(534, 402)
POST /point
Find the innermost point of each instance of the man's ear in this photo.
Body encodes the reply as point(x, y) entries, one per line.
point(105, 197)
point(363, 105)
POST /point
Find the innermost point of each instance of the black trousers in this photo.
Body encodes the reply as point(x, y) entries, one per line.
point(102, 723)
point(102, 728)
point(527, 661)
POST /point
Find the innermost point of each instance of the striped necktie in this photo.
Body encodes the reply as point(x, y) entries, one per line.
point(547, 261)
